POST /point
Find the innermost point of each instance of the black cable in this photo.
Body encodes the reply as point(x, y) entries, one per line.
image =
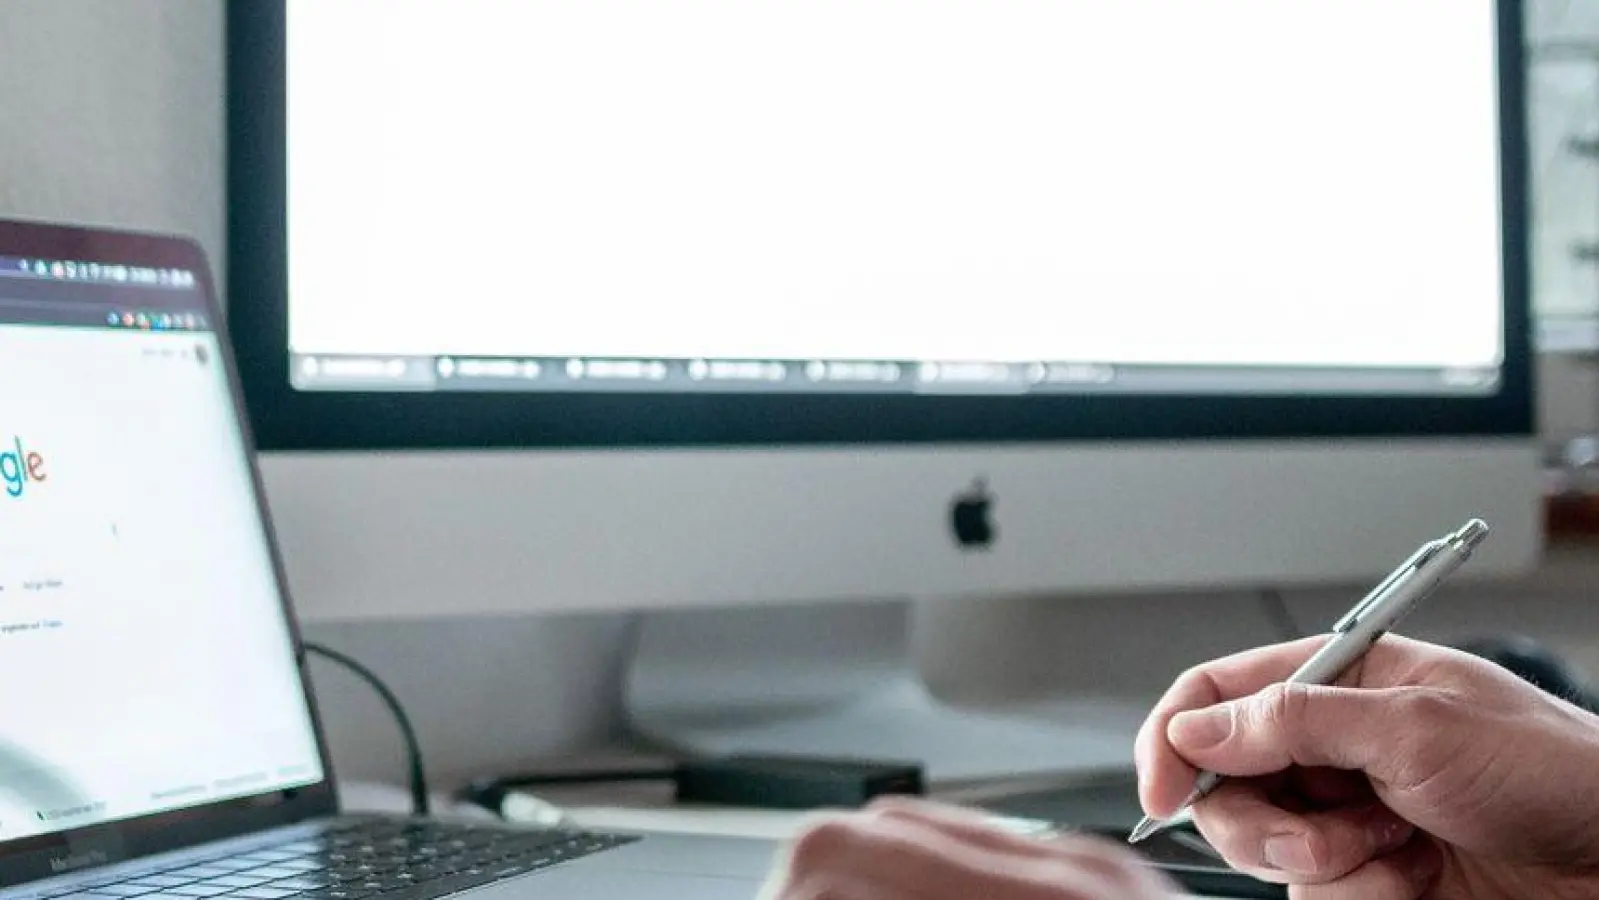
point(413, 749)
point(1282, 618)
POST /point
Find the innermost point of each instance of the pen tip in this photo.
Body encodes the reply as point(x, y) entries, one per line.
point(1145, 828)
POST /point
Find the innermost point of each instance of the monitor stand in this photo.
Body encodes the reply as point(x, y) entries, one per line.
point(840, 680)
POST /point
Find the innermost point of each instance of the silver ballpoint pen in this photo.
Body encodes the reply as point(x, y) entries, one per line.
point(1358, 630)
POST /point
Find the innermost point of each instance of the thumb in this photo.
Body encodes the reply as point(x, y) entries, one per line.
point(1305, 725)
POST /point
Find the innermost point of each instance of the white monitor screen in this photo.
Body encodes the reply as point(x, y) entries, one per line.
point(143, 635)
point(894, 195)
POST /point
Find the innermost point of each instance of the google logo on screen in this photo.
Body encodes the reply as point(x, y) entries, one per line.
point(21, 468)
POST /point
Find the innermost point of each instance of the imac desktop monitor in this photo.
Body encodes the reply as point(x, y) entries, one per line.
point(618, 305)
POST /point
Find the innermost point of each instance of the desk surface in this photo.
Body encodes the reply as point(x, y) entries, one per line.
point(650, 807)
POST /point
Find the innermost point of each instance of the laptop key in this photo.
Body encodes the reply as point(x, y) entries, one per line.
point(234, 865)
point(271, 872)
point(250, 861)
point(426, 872)
point(198, 872)
point(122, 890)
point(302, 883)
point(353, 873)
point(234, 882)
point(299, 865)
point(158, 882)
point(197, 890)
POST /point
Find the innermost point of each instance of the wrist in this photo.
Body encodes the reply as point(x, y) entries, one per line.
point(1563, 816)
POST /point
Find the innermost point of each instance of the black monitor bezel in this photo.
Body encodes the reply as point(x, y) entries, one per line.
point(289, 419)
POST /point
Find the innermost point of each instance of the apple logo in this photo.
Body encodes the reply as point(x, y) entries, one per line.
point(971, 516)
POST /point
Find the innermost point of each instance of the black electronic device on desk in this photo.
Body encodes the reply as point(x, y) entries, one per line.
point(1109, 808)
point(1188, 859)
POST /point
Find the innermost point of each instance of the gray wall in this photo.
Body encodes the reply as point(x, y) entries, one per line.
point(111, 113)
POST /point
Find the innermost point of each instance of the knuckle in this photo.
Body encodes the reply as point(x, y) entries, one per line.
point(889, 805)
point(1283, 706)
point(820, 843)
point(1426, 709)
point(1194, 681)
point(818, 888)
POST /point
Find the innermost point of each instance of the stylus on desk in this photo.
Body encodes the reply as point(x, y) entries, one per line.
point(1359, 629)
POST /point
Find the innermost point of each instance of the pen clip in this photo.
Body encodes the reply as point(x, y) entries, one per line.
point(1353, 617)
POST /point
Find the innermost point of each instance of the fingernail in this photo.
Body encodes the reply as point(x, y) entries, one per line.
point(1290, 853)
point(1201, 729)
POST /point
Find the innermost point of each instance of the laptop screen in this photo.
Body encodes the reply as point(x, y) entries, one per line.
point(143, 641)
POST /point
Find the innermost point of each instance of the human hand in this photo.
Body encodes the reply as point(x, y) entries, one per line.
point(1425, 773)
point(905, 849)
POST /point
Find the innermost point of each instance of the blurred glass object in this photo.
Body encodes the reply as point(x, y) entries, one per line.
point(1563, 105)
point(1564, 143)
point(1563, 136)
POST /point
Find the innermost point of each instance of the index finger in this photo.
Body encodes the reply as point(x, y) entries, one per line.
point(1164, 777)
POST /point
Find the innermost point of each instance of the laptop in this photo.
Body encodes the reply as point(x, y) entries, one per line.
point(159, 738)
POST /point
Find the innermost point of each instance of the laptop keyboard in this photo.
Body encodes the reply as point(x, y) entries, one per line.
point(392, 859)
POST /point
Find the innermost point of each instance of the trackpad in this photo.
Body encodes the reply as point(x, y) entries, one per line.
point(675, 854)
point(563, 883)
